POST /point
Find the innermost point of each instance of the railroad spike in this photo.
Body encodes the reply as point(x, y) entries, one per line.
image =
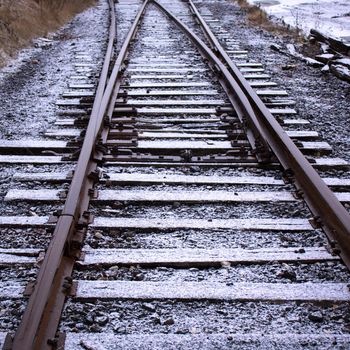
point(316, 222)
point(298, 194)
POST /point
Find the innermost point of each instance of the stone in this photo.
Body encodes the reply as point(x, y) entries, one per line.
point(313, 63)
point(343, 62)
point(316, 316)
point(340, 71)
point(148, 307)
point(101, 320)
point(89, 319)
point(325, 69)
point(288, 273)
point(288, 67)
point(139, 277)
point(182, 331)
point(225, 264)
point(168, 322)
point(276, 47)
point(98, 235)
point(324, 58)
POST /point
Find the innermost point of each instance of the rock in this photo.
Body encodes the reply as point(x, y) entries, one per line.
point(225, 264)
point(167, 322)
point(120, 330)
point(194, 330)
point(182, 331)
point(312, 39)
point(287, 272)
point(288, 67)
point(117, 205)
point(318, 35)
point(291, 49)
point(91, 345)
point(98, 235)
point(313, 63)
point(89, 319)
point(325, 48)
point(276, 47)
point(80, 326)
point(340, 71)
point(162, 268)
point(101, 320)
point(343, 61)
point(325, 58)
point(325, 69)
point(316, 316)
point(139, 277)
point(222, 312)
point(148, 307)
point(335, 43)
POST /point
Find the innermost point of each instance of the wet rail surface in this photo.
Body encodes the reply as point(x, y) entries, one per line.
point(180, 202)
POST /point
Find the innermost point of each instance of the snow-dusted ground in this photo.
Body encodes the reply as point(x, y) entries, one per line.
point(330, 17)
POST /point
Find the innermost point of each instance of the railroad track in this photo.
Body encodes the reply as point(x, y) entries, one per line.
point(194, 217)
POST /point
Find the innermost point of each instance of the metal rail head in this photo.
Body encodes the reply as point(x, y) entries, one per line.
point(42, 314)
point(333, 217)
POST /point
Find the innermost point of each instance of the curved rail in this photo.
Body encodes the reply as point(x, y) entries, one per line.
point(41, 317)
point(40, 321)
point(328, 211)
point(245, 113)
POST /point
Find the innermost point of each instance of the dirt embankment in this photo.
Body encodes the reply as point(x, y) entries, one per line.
point(258, 17)
point(23, 20)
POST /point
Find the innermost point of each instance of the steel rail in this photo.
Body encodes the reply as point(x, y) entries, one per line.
point(328, 211)
point(39, 323)
point(238, 99)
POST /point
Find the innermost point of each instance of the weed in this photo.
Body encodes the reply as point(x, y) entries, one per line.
point(258, 17)
point(23, 20)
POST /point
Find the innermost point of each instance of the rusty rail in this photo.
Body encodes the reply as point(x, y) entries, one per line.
point(40, 321)
point(41, 318)
point(245, 113)
point(328, 212)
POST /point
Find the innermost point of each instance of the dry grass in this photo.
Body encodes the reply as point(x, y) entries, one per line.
point(23, 20)
point(258, 17)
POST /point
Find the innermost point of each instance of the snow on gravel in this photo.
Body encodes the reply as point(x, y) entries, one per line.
point(330, 17)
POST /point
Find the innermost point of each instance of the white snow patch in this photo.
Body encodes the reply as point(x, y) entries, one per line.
point(330, 17)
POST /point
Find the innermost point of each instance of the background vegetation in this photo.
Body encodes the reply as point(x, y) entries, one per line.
point(23, 20)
